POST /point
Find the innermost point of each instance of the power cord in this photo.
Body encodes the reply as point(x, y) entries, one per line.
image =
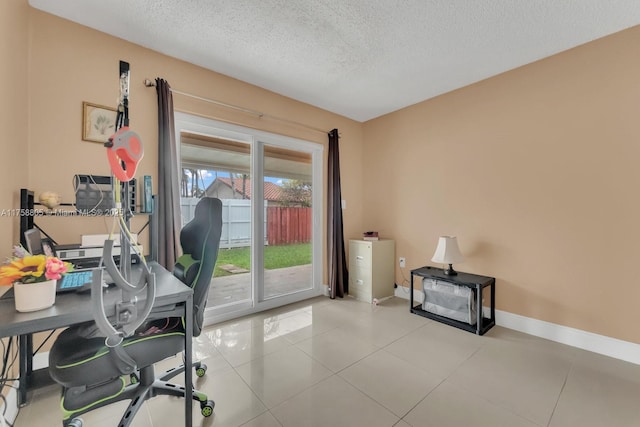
point(6, 365)
point(4, 379)
point(3, 420)
point(44, 341)
point(405, 289)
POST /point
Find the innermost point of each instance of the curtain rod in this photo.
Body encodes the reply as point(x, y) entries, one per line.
point(151, 83)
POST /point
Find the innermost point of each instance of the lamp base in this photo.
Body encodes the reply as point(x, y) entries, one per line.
point(450, 271)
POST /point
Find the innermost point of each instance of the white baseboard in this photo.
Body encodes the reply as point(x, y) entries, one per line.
point(612, 347)
point(40, 361)
point(12, 405)
point(403, 292)
point(325, 290)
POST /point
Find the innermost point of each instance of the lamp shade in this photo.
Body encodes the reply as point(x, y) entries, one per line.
point(447, 251)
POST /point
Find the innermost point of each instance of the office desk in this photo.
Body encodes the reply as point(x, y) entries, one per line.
point(172, 297)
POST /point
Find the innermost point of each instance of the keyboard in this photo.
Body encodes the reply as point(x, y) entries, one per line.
point(76, 281)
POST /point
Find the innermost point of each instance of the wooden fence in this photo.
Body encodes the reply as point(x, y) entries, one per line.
point(282, 225)
point(288, 225)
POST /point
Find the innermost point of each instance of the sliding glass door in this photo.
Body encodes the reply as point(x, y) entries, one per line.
point(270, 187)
point(220, 168)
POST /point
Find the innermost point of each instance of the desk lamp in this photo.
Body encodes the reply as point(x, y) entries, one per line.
point(447, 252)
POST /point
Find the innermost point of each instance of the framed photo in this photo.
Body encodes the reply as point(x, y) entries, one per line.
point(48, 248)
point(98, 122)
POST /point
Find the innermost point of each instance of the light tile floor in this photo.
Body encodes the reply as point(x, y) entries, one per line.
point(346, 363)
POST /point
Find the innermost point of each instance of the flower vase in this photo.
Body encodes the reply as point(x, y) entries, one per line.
point(34, 296)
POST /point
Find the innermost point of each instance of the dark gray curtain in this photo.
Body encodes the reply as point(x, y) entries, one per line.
point(338, 274)
point(168, 200)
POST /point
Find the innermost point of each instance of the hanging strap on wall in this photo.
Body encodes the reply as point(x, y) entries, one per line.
point(122, 118)
point(124, 148)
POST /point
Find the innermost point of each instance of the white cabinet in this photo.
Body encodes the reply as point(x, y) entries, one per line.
point(371, 269)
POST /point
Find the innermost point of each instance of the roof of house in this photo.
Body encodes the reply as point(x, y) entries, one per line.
point(271, 190)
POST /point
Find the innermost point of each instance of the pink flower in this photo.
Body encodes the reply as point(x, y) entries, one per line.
point(54, 269)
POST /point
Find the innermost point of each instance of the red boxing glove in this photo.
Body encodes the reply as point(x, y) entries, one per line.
point(124, 146)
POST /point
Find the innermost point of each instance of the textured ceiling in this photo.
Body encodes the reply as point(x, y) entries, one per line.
point(357, 58)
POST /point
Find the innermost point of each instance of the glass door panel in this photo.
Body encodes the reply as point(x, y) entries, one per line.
point(218, 168)
point(287, 256)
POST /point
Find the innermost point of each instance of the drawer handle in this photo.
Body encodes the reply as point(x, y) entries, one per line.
point(360, 282)
point(359, 257)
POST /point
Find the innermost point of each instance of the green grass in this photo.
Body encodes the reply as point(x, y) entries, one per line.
point(274, 257)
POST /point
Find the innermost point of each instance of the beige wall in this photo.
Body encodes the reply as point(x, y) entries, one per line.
point(13, 115)
point(13, 122)
point(536, 171)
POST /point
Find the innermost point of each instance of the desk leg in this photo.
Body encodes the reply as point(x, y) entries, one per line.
point(25, 354)
point(493, 301)
point(411, 294)
point(479, 315)
point(188, 375)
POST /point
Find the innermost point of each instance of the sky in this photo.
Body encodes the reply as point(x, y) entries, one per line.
point(209, 176)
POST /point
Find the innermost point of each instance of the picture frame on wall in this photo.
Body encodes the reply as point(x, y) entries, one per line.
point(98, 122)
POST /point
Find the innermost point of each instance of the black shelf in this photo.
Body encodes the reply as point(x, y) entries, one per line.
point(67, 213)
point(473, 281)
point(28, 212)
point(76, 212)
point(486, 322)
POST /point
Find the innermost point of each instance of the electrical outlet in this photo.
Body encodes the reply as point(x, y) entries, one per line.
point(403, 262)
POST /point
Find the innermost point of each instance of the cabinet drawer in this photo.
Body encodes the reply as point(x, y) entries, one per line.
point(360, 254)
point(360, 273)
point(359, 282)
point(361, 261)
point(360, 289)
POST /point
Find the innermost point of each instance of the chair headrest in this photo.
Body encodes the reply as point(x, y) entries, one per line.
point(195, 235)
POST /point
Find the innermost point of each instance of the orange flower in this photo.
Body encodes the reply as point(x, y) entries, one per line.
point(27, 270)
point(33, 268)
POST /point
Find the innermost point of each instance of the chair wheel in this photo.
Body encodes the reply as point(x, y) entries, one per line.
point(206, 408)
point(201, 370)
point(76, 422)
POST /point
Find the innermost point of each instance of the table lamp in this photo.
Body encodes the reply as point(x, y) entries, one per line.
point(447, 252)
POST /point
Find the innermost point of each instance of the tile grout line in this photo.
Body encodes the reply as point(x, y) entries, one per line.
point(564, 383)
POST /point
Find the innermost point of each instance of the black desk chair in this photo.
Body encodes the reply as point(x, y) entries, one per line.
point(94, 375)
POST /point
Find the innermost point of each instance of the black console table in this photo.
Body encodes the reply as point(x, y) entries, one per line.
point(473, 281)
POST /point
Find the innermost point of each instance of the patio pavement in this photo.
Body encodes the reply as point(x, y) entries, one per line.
point(237, 287)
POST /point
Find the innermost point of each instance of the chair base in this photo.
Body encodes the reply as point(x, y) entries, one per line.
point(141, 388)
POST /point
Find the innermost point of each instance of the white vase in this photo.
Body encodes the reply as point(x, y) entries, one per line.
point(34, 296)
